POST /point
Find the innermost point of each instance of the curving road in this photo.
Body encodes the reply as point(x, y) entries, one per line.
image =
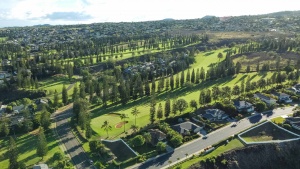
point(212, 138)
point(73, 147)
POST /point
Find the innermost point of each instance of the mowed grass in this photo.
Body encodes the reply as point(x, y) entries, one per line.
point(99, 115)
point(233, 144)
point(266, 132)
point(278, 120)
point(203, 59)
point(27, 149)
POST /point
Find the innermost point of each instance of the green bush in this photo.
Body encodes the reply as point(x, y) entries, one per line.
point(161, 147)
point(137, 141)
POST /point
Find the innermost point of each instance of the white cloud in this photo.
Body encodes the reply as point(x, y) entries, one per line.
point(135, 10)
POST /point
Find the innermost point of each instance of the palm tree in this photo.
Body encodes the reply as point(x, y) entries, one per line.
point(135, 112)
point(106, 126)
point(134, 128)
point(147, 137)
point(123, 117)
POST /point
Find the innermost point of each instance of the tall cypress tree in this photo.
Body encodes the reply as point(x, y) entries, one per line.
point(75, 92)
point(172, 82)
point(159, 112)
point(182, 79)
point(177, 81)
point(41, 144)
point(64, 94)
point(188, 76)
point(167, 108)
point(12, 154)
point(55, 99)
point(153, 86)
point(193, 78)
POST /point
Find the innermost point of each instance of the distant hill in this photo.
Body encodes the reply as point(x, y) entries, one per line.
point(208, 16)
point(168, 19)
point(283, 13)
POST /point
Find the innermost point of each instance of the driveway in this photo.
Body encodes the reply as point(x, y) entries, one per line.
point(212, 138)
point(73, 147)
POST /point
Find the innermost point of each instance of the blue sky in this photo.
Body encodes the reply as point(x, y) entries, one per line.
point(33, 12)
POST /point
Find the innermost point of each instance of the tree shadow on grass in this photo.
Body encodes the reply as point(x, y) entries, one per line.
point(208, 53)
point(243, 77)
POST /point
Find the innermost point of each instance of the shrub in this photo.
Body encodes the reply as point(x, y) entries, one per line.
point(58, 156)
point(137, 141)
point(161, 147)
point(176, 140)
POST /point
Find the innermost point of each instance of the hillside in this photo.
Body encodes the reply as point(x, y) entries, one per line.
point(275, 156)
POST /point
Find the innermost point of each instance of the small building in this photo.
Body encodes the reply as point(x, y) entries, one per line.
point(40, 166)
point(186, 127)
point(18, 109)
point(294, 122)
point(215, 115)
point(283, 97)
point(243, 106)
point(266, 99)
point(156, 136)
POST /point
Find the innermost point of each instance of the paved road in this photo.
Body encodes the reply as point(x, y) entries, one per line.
point(73, 147)
point(212, 138)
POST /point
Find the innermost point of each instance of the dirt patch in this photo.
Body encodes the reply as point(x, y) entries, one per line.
point(113, 114)
point(34, 132)
point(119, 125)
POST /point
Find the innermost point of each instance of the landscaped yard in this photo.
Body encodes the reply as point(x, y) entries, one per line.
point(266, 132)
point(278, 120)
point(27, 150)
point(235, 143)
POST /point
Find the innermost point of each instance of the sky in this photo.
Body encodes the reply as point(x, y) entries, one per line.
point(60, 12)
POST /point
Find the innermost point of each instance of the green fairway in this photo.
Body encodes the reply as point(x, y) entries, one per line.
point(235, 143)
point(27, 150)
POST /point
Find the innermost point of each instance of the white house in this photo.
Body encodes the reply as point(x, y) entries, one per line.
point(283, 97)
point(266, 99)
point(243, 106)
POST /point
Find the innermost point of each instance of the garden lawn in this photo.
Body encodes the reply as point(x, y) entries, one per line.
point(27, 150)
point(278, 120)
point(266, 132)
point(233, 144)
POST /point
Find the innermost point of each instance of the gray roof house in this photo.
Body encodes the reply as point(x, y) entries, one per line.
point(283, 97)
point(40, 166)
point(294, 121)
point(243, 106)
point(186, 127)
point(265, 98)
point(215, 115)
point(156, 136)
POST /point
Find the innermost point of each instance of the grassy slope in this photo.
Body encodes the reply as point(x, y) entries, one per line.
point(27, 150)
point(202, 60)
point(271, 133)
point(231, 145)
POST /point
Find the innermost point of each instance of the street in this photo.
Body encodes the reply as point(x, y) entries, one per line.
point(212, 138)
point(73, 147)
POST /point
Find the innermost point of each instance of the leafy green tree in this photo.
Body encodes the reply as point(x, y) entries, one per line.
point(80, 109)
point(13, 154)
point(75, 94)
point(147, 137)
point(176, 140)
point(193, 77)
point(172, 82)
point(41, 149)
point(188, 76)
point(261, 106)
point(220, 56)
point(153, 86)
point(174, 107)
point(82, 91)
point(177, 81)
point(152, 113)
point(45, 120)
point(64, 94)
point(135, 112)
point(193, 104)
point(181, 105)
point(248, 69)
point(161, 147)
point(106, 126)
point(137, 141)
point(167, 108)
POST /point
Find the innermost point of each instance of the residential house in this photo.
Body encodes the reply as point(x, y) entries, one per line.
point(215, 115)
point(18, 109)
point(186, 127)
point(243, 106)
point(156, 136)
point(40, 166)
point(264, 98)
point(283, 97)
point(294, 122)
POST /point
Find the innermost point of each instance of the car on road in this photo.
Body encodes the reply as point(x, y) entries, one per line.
point(204, 137)
point(234, 125)
point(91, 162)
